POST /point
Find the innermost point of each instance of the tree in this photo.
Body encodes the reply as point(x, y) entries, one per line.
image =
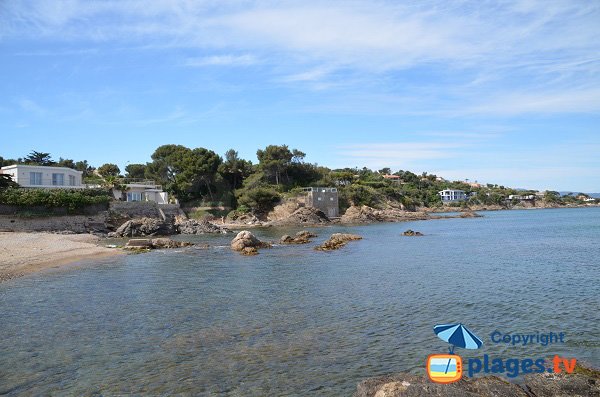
point(260, 199)
point(109, 169)
point(135, 171)
point(84, 167)
point(184, 172)
point(385, 171)
point(274, 160)
point(234, 169)
point(6, 181)
point(65, 163)
point(39, 158)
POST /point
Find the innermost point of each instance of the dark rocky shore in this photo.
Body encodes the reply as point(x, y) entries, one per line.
point(583, 382)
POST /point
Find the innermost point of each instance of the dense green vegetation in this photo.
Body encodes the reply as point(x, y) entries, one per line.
point(71, 199)
point(200, 177)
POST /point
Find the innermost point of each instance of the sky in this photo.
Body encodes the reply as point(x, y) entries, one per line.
point(504, 92)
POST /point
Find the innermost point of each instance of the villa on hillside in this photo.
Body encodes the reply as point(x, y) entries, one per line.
point(452, 196)
point(38, 176)
point(48, 177)
point(141, 190)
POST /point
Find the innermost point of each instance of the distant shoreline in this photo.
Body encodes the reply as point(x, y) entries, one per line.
point(26, 252)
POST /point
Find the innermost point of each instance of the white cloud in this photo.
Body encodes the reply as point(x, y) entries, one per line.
point(471, 50)
point(222, 60)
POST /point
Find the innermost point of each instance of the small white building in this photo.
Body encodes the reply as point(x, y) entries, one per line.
point(141, 190)
point(452, 196)
point(40, 176)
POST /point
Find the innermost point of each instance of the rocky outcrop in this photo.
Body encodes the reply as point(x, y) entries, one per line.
point(193, 226)
point(247, 244)
point(412, 233)
point(141, 227)
point(337, 241)
point(155, 243)
point(303, 216)
point(545, 384)
point(470, 214)
point(302, 237)
point(366, 214)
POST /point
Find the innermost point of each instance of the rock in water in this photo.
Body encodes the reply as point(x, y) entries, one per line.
point(168, 243)
point(302, 237)
point(337, 241)
point(155, 243)
point(303, 216)
point(193, 226)
point(245, 239)
point(586, 383)
point(411, 233)
point(470, 214)
point(140, 227)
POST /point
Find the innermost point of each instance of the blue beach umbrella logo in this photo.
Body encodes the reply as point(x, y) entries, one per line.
point(457, 335)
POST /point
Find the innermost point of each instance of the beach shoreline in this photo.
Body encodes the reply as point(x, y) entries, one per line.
point(24, 253)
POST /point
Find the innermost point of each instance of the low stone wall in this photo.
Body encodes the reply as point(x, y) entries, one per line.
point(70, 223)
point(135, 209)
point(55, 211)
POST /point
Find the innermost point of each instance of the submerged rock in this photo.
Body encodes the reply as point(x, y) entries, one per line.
point(245, 239)
point(302, 237)
point(552, 385)
point(193, 226)
point(337, 241)
point(470, 214)
point(155, 243)
point(411, 233)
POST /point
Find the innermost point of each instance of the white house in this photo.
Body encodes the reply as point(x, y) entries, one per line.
point(39, 176)
point(452, 196)
point(142, 190)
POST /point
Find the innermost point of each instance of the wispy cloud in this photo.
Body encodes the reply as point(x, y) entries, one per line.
point(30, 106)
point(222, 60)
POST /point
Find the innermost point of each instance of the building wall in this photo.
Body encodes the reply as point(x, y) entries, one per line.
point(21, 175)
point(325, 200)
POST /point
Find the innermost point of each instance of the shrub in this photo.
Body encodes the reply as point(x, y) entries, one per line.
point(71, 199)
point(260, 199)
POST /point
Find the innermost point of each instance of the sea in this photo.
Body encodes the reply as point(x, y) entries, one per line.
point(293, 321)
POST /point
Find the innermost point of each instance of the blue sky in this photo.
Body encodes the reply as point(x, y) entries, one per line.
point(499, 92)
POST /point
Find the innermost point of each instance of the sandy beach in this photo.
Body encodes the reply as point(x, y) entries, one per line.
point(23, 253)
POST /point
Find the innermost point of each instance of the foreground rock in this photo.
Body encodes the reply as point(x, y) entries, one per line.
point(303, 216)
point(193, 226)
point(302, 237)
point(247, 244)
point(552, 385)
point(412, 233)
point(155, 243)
point(337, 241)
point(141, 227)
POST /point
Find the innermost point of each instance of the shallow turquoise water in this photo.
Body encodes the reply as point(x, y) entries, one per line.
point(293, 321)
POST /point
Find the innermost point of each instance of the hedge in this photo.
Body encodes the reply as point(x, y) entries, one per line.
point(72, 199)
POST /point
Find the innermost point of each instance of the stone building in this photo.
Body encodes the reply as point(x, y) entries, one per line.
point(324, 199)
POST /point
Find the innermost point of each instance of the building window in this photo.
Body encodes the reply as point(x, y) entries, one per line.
point(58, 179)
point(134, 196)
point(71, 180)
point(35, 178)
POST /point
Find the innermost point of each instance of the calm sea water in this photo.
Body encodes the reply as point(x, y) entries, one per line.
point(293, 321)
